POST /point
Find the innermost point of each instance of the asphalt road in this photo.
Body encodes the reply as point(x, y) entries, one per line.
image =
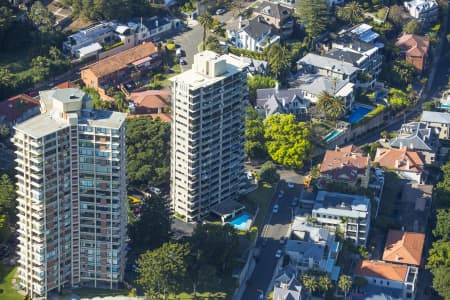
point(276, 226)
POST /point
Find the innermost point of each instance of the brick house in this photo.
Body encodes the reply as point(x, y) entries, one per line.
point(18, 109)
point(414, 48)
point(149, 102)
point(123, 67)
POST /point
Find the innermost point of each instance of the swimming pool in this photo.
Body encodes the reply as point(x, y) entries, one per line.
point(242, 222)
point(445, 106)
point(358, 112)
point(332, 135)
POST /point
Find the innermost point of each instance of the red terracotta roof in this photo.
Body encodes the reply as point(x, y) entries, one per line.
point(416, 45)
point(399, 159)
point(344, 163)
point(151, 99)
point(65, 85)
point(404, 247)
point(380, 269)
point(14, 107)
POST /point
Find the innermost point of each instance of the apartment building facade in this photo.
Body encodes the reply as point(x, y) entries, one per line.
point(71, 185)
point(207, 159)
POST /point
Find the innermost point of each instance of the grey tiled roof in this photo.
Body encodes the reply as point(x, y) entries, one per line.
point(256, 28)
point(272, 99)
point(275, 10)
point(316, 84)
point(328, 63)
point(307, 249)
point(414, 135)
point(352, 41)
point(347, 56)
point(293, 290)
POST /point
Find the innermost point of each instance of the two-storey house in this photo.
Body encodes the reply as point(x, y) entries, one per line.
point(277, 15)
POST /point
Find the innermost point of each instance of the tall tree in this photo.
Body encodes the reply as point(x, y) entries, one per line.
point(332, 105)
point(278, 59)
point(442, 229)
point(259, 82)
point(351, 12)
point(324, 284)
point(41, 17)
point(287, 141)
point(313, 15)
point(345, 284)
point(438, 255)
point(206, 20)
point(152, 229)
point(160, 271)
point(254, 135)
point(7, 206)
point(441, 281)
point(268, 173)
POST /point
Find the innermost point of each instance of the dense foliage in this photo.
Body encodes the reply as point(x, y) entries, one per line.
point(7, 207)
point(278, 59)
point(268, 173)
point(255, 147)
point(439, 254)
point(287, 141)
point(351, 12)
point(313, 14)
point(331, 105)
point(398, 99)
point(259, 82)
point(148, 152)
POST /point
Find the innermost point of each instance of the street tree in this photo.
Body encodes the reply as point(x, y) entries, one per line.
point(345, 284)
point(441, 281)
point(279, 60)
point(207, 21)
point(351, 12)
point(324, 284)
point(287, 141)
point(160, 271)
point(438, 255)
point(442, 229)
point(43, 19)
point(313, 14)
point(268, 173)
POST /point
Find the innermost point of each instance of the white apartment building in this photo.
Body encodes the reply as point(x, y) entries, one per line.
point(207, 159)
point(350, 212)
point(71, 186)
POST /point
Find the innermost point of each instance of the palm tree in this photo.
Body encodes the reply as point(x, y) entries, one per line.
point(207, 21)
point(309, 282)
point(324, 284)
point(345, 283)
point(331, 105)
point(351, 12)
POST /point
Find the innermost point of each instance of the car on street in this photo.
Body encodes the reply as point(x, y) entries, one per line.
point(282, 240)
point(294, 201)
point(290, 184)
point(278, 253)
point(221, 11)
point(275, 208)
point(182, 62)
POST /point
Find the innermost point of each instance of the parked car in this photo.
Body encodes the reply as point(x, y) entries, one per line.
point(221, 11)
point(278, 253)
point(282, 240)
point(275, 208)
point(290, 184)
point(182, 62)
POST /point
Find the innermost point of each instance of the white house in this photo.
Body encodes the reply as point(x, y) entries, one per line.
point(350, 212)
point(311, 247)
point(256, 36)
point(439, 121)
point(327, 66)
point(400, 278)
point(425, 11)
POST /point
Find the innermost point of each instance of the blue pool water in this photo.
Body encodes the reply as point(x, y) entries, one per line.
point(445, 106)
point(332, 135)
point(241, 222)
point(358, 112)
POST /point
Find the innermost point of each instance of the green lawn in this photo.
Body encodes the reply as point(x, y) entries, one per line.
point(92, 292)
point(261, 197)
point(7, 292)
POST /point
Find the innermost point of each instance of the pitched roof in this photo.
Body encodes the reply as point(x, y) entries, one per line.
point(380, 269)
point(14, 107)
point(275, 10)
point(414, 135)
point(150, 99)
point(66, 85)
point(272, 99)
point(416, 45)
point(435, 117)
point(315, 84)
point(328, 63)
point(292, 290)
point(344, 163)
point(122, 59)
point(351, 57)
point(404, 247)
point(399, 159)
point(256, 28)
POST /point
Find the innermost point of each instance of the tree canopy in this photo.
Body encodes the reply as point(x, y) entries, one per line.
point(7, 207)
point(313, 15)
point(268, 172)
point(109, 10)
point(278, 58)
point(259, 82)
point(148, 152)
point(331, 105)
point(351, 12)
point(255, 147)
point(398, 99)
point(287, 141)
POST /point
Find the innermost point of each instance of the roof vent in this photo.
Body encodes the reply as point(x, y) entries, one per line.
point(73, 96)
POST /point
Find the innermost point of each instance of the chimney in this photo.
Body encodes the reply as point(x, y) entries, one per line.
point(276, 86)
point(284, 101)
point(401, 145)
point(396, 164)
point(240, 22)
point(397, 258)
point(337, 148)
point(407, 164)
point(411, 146)
point(156, 23)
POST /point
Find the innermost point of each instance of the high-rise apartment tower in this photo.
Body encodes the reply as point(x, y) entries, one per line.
point(207, 158)
point(71, 185)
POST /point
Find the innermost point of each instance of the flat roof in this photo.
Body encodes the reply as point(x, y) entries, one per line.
point(41, 126)
point(228, 207)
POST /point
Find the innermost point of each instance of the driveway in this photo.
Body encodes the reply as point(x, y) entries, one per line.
point(192, 38)
point(276, 226)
